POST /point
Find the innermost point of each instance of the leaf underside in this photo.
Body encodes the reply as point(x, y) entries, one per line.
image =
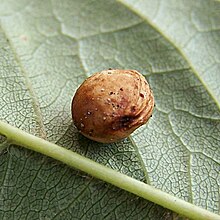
point(47, 48)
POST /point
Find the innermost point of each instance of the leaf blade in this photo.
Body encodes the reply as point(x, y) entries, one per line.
point(57, 56)
point(104, 173)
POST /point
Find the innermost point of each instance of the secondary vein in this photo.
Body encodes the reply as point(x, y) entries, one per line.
point(181, 52)
point(40, 129)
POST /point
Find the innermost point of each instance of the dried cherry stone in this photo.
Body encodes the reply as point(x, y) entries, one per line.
point(111, 104)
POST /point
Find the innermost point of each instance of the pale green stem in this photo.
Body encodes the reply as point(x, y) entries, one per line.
point(106, 174)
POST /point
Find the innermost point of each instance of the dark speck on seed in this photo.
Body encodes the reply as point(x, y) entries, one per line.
point(125, 121)
point(121, 89)
point(132, 108)
point(141, 95)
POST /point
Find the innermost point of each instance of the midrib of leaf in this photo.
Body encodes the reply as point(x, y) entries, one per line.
point(177, 47)
point(35, 103)
point(104, 173)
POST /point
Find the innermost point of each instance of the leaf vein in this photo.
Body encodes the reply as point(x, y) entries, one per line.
point(177, 47)
point(35, 103)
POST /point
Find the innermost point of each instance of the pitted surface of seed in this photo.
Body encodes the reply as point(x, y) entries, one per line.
point(111, 104)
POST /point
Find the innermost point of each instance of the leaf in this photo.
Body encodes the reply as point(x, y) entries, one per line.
point(104, 173)
point(47, 48)
point(188, 24)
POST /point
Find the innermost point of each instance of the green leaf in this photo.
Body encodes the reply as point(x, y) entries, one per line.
point(193, 27)
point(47, 48)
point(109, 175)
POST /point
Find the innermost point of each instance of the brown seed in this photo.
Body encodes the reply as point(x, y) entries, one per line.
point(132, 107)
